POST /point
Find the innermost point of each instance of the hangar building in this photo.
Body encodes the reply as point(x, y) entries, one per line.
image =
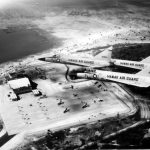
point(20, 86)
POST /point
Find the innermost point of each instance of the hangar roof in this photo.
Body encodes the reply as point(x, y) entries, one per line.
point(18, 83)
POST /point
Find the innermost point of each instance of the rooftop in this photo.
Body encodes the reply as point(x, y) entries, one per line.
point(18, 83)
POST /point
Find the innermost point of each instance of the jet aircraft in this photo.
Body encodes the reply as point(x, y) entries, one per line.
point(103, 59)
point(133, 64)
point(140, 79)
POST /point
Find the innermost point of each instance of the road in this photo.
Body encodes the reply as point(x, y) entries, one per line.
point(142, 102)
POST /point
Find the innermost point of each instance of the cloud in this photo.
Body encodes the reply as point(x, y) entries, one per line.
point(9, 3)
point(12, 9)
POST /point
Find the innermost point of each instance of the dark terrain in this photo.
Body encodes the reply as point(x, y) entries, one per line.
point(17, 42)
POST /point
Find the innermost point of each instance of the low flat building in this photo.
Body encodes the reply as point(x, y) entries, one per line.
point(13, 96)
point(20, 86)
point(36, 92)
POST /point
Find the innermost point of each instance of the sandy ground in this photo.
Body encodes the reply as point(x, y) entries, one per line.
point(88, 32)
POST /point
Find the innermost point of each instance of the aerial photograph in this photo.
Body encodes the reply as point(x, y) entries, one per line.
point(74, 74)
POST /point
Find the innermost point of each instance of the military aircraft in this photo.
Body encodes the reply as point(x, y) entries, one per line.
point(133, 64)
point(140, 79)
point(66, 110)
point(60, 102)
point(103, 59)
point(85, 105)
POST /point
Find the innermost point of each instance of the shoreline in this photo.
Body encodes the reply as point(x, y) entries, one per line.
point(32, 60)
point(19, 42)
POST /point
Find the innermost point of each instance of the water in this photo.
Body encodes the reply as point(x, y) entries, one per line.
point(20, 42)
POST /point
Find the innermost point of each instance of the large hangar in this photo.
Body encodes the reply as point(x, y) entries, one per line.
point(20, 86)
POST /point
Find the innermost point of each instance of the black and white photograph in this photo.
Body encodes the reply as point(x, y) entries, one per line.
point(74, 74)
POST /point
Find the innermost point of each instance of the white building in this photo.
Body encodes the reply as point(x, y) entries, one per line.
point(20, 86)
point(13, 96)
point(36, 92)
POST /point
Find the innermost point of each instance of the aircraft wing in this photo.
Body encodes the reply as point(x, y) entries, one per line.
point(146, 60)
point(144, 72)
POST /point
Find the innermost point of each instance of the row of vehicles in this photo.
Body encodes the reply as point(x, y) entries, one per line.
point(93, 68)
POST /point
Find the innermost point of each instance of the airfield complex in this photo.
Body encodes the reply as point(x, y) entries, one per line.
point(30, 111)
point(49, 100)
point(37, 96)
point(41, 96)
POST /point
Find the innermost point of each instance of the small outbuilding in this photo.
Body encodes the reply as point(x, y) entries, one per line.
point(13, 96)
point(20, 86)
point(36, 92)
